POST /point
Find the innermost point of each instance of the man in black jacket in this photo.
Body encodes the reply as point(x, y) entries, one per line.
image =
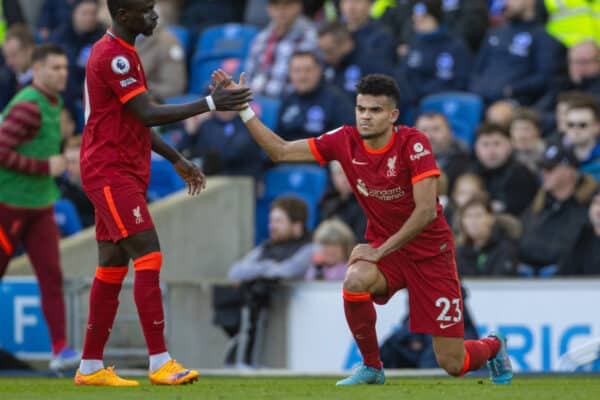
point(557, 214)
point(510, 184)
point(584, 257)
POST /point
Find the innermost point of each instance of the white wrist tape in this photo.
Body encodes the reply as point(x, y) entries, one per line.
point(210, 103)
point(247, 114)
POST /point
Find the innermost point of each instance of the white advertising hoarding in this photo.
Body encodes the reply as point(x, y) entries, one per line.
point(541, 318)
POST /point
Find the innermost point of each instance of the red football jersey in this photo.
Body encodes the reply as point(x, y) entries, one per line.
point(116, 146)
point(383, 181)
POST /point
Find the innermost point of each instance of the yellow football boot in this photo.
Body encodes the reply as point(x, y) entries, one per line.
point(173, 373)
point(103, 377)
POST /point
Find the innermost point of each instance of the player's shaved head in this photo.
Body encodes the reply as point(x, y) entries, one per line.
point(115, 5)
point(379, 85)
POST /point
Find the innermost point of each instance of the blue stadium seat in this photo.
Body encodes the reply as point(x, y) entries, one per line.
point(66, 217)
point(184, 36)
point(267, 110)
point(226, 40)
point(305, 181)
point(163, 178)
point(203, 67)
point(463, 110)
point(186, 98)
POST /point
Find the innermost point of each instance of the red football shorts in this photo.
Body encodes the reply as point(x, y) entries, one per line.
point(120, 212)
point(434, 296)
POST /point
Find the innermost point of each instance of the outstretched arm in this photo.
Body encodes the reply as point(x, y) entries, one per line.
point(152, 114)
point(278, 149)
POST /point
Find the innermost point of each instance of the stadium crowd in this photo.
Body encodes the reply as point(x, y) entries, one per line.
point(520, 163)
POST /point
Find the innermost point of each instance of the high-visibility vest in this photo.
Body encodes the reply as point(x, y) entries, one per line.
point(572, 21)
point(379, 6)
point(2, 23)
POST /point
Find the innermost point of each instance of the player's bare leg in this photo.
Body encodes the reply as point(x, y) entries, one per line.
point(363, 279)
point(104, 301)
point(458, 356)
point(144, 249)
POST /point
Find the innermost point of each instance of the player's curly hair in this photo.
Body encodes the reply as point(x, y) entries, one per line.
point(379, 85)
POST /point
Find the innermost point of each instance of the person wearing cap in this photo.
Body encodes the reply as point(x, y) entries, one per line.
point(436, 61)
point(334, 241)
point(517, 59)
point(367, 32)
point(288, 31)
point(511, 185)
point(557, 214)
point(583, 132)
point(584, 257)
point(314, 106)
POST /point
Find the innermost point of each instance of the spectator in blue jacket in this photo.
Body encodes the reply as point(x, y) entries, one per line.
point(517, 59)
point(368, 33)
point(52, 15)
point(436, 61)
point(77, 36)
point(314, 106)
point(223, 145)
point(346, 61)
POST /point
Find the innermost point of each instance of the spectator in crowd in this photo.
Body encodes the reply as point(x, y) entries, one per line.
point(511, 185)
point(314, 106)
point(584, 257)
point(346, 62)
point(222, 144)
point(557, 214)
point(517, 59)
point(10, 14)
point(436, 60)
point(163, 59)
point(198, 15)
point(30, 159)
point(485, 247)
point(18, 47)
point(288, 31)
point(583, 131)
point(334, 242)
point(467, 19)
point(554, 124)
point(340, 202)
point(583, 62)
point(76, 36)
point(451, 155)
point(500, 112)
point(465, 187)
point(366, 32)
point(69, 184)
point(526, 138)
point(287, 253)
point(52, 15)
point(255, 13)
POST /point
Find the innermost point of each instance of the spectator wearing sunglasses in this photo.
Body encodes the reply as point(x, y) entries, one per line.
point(583, 130)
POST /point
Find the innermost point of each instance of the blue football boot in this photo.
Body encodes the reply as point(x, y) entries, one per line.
point(499, 365)
point(366, 375)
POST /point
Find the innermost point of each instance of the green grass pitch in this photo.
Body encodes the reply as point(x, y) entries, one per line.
point(250, 388)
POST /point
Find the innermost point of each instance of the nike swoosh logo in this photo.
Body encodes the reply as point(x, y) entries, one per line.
point(444, 326)
point(354, 161)
point(158, 322)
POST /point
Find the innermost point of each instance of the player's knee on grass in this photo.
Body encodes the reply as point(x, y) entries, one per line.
point(360, 277)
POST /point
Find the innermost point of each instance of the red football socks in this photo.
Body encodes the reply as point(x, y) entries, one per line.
point(477, 352)
point(104, 301)
point(148, 299)
point(361, 317)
